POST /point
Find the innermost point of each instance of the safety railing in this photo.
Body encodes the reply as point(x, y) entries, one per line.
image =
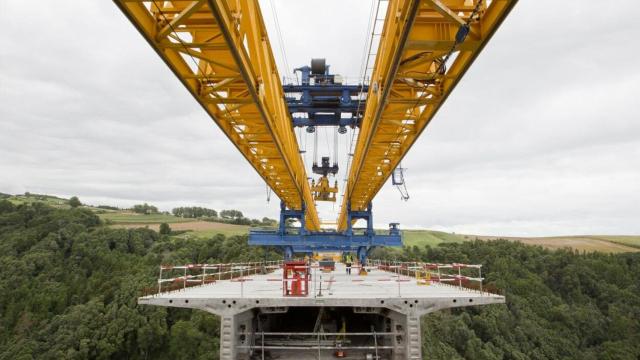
point(454, 274)
point(179, 277)
point(262, 342)
point(311, 279)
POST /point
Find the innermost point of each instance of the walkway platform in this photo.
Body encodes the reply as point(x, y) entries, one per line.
point(337, 288)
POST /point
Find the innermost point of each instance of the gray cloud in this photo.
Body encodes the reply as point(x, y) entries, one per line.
point(541, 137)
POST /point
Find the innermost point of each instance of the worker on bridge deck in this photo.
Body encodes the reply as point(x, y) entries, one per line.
point(348, 261)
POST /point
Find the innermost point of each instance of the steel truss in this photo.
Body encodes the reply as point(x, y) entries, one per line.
point(410, 81)
point(220, 51)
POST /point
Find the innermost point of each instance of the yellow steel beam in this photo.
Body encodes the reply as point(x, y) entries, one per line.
point(408, 83)
point(220, 51)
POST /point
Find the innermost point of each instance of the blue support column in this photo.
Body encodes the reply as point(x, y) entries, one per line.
point(362, 255)
point(288, 252)
point(282, 226)
point(365, 215)
point(286, 214)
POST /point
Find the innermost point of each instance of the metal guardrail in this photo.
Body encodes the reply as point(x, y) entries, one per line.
point(177, 278)
point(201, 274)
point(315, 341)
point(438, 273)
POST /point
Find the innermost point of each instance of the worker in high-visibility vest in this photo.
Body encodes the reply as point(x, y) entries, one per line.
point(347, 261)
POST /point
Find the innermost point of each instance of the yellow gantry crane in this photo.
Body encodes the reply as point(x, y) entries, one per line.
point(220, 51)
point(410, 81)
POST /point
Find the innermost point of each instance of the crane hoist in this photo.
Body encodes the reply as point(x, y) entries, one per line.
point(220, 51)
point(320, 100)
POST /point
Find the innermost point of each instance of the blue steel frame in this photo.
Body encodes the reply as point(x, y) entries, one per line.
point(325, 101)
point(299, 240)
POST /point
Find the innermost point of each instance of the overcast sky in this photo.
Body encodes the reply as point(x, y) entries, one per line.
point(542, 136)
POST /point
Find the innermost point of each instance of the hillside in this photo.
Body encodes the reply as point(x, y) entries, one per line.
point(420, 238)
point(68, 289)
point(29, 198)
point(588, 243)
point(197, 228)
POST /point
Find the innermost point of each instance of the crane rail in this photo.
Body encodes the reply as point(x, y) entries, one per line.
point(409, 83)
point(220, 51)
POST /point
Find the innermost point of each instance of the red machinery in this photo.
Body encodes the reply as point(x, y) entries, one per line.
point(295, 278)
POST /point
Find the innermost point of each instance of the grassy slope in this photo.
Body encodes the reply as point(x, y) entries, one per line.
point(52, 201)
point(633, 241)
point(227, 230)
point(612, 244)
point(127, 217)
point(195, 229)
point(605, 243)
point(421, 238)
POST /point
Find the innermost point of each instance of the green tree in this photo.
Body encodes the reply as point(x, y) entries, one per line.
point(165, 229)
point(231, 214)
point(68, 290)
point(194, 212)
point(145, 209)
point(74, 202)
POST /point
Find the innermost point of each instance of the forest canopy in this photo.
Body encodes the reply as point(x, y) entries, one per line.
point(69, 284)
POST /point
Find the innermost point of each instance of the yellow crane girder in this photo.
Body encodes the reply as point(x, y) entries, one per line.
point(409, 83)
point(220, 51)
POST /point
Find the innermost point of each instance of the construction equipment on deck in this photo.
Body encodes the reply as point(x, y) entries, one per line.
point(295, 278)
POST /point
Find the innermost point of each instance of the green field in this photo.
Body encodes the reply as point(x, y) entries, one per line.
point(126, 217)
point(589, 243)
point(186, 228)
point(421, 238)
point(231, 230)
point(52, 201)
point(633, 241)
point(196, 228)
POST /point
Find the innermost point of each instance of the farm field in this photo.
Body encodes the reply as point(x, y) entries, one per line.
point(50, 200)
point(633, 241)
point(194, 228)
point(127, 217)
point(197, 229)
point(421, 238)
point(589, 243)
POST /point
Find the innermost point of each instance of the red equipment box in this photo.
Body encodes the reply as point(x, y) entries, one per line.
point(295, 278)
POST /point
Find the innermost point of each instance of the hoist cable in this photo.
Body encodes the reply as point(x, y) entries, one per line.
point(280, 38)
point(315, 147)
point(366, 54)
point(326, 138)
point(335, 145)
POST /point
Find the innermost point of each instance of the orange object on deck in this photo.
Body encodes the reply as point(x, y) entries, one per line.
point(295, 278)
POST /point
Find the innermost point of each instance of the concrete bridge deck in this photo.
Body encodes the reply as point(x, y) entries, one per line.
point(382, 312)
point(335, 288)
